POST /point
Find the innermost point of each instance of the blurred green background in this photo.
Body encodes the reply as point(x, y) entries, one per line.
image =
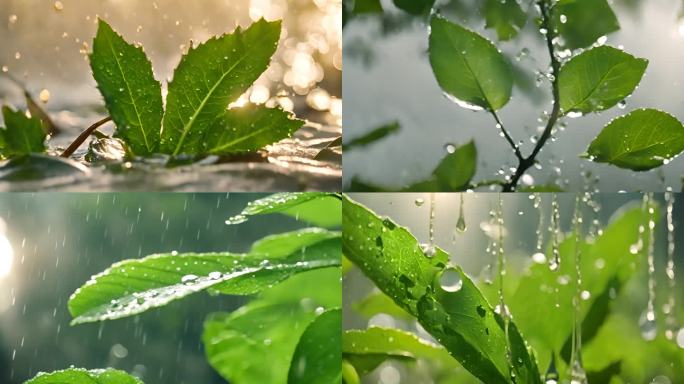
point(60, 240)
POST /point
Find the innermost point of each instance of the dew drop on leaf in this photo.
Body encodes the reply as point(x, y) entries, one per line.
point(451, 281)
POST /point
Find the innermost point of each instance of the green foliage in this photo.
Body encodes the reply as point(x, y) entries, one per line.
point(506, 17)
point(373, 136)
point(416, 7)
point(318, 357)
point(641, 140)
point(22, 135)
point(295, 279)
point(468, 67)
point(283, 314)
point(377, 302)
point(132, 95)
point(134, 286)
point(208, 78)
point(82, 376)
point(598, 79)
point(585, 21)
point(461, 320)
point(367, 6)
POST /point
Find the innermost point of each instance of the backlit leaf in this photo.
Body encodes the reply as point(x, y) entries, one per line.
point(318, 357)
point(82, 376)
point(505, 16)
point(22, 135)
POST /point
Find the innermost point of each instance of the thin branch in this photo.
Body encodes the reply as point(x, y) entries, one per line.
point(506, 135)
point(83, 136)
point(529, 161)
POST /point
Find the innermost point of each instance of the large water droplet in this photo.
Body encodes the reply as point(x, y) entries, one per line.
point(451, 280)
point(188, 279)
point(419, 202)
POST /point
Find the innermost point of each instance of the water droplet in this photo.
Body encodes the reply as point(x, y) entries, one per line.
point(451, 280)
point(648, 325)
point(622, 104)
point(461, 223)
point(539, 258)
point(58, 6)
point(13, 19)
point(419, 202)
point(215, 275)
point(188, 279)
point(428, 250)
point(44, 96)
point(449, 148)
point(563, 19)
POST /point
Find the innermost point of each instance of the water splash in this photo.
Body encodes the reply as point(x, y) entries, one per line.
point(577, 373)
point(647, 322)
point(554, 261)
point(669, 307)
point(460, 223)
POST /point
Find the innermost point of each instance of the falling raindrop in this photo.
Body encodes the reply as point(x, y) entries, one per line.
point(460, 223)
point(449, 148)
point(501, 261)
point(551, 375)
point(431, 223)
point(577, 372)
point(647, 322)
point(669, 307)
point(44, 96)
point(554, 261)
point(622, 104)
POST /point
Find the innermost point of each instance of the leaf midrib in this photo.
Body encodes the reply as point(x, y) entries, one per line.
point(128, 88)
point(187, 126)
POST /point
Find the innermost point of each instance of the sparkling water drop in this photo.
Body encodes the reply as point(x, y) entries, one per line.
point(419, 202)
point(451, 280)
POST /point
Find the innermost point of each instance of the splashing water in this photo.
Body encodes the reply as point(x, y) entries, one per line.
point(647, 322)
point(669, 307)
point(554, 261)
point(577, 372)
point(460, 223)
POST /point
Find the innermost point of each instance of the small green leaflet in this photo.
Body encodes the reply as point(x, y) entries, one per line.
point(373, 136)
point(211, 76)
point(132, 95)
point(22, 135)
point(319, 208)
point(368, 348)
point(82, 376)
point(318, 357)
point(134, 286)
point(582, 22)
point(469, 68)
point(641, 140)
point(598, 79)
point(505, 16)
point(207, 79)
point(462, 320)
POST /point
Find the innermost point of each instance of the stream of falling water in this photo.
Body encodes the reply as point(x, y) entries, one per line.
point(669, 307)
point(539, 256)
point(432, 224)
point(647, 322)
point(577, 373)
point(501, 261)
point(554, 261)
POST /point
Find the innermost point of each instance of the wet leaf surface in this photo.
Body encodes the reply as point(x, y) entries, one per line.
point(22, 135)
point(314, 207)
point(82, 376)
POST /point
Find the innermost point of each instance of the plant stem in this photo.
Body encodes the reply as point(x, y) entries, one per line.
point(508, 137)
point(525, 163)
point(83, 136)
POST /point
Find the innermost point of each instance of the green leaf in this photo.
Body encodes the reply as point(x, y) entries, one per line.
point(22, 135)
point(82, 376)
point(373, 136)
point(505, 16)
point(368, 348)
point(269, 328)
point(377, 302)
point(469, 68)
point(209, 77)
point(248, 129)
point(457, 169)
point(133, 97)
point(540, 188)
point(462, 320)
point(284, 244)
point(598, 79)
point(415, 7)
point(318, 357)
point(641, 140)
point(319, 208)
point(134, 286)
point(584, 21)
